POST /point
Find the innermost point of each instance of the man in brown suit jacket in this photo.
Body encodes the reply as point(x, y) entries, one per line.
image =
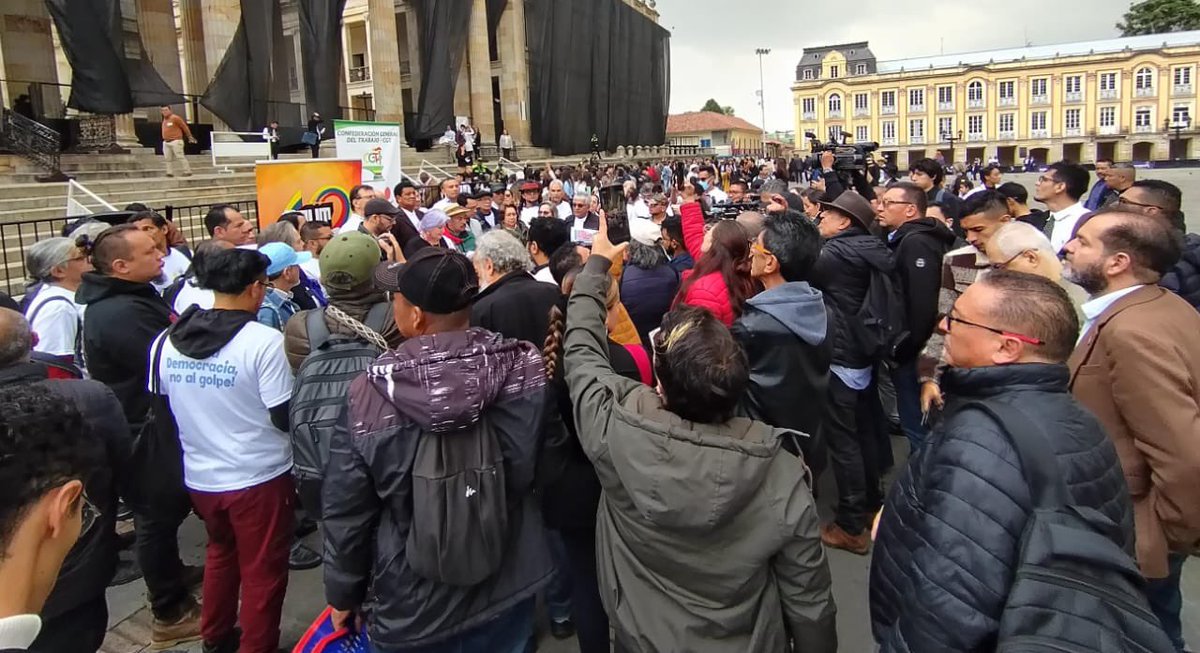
point(1137, 367)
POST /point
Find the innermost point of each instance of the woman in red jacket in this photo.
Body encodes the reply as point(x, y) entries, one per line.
point(720, 281)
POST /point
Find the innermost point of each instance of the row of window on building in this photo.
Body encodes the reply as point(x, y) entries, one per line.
point(1007, 93)
point(1039, 126)
point(835, 71)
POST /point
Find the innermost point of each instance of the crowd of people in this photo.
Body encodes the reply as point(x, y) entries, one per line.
point(615, 387)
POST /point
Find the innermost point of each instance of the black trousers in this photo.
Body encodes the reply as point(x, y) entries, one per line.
point(852, 437)
point(80, 630)
point(591, 622)
point(156, 545)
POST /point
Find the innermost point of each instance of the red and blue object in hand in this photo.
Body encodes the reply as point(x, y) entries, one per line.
point(322, 637)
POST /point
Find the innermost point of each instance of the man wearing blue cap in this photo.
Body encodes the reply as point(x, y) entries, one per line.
point(283, 274)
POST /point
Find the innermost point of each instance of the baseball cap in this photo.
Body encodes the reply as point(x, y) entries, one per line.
point(379, 207)
point(348, 259)
point(530, 185)
point(283, 256)
point(854, 205)
point(436, 280)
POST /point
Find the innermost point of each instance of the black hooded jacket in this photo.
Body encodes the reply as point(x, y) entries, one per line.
point(91, 563)
point(843, 275)
point(123, 319)
point(1184, 278)
point(918, 247)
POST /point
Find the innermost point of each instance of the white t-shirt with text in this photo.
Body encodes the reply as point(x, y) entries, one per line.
point(221, 405)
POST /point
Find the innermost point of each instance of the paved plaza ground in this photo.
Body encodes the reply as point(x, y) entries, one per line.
point(129, 619)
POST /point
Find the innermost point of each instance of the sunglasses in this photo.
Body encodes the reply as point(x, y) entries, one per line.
point(1127, 202)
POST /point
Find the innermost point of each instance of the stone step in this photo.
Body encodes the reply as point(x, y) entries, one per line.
point(105, 188)
point(156, 199)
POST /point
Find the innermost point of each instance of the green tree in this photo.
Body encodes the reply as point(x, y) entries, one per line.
point(712, 105)
point(1159, 16)
point(727, 111)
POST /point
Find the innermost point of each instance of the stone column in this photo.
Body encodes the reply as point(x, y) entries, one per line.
point(480, 62)
point(414, 55)
point(462, 90)
point(220, 24)
point(384, 47)
point(514, 76)
point(156, 24)
point(27, 54)
point(194, 64)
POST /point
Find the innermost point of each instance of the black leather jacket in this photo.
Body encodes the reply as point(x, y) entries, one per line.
point(843, 275)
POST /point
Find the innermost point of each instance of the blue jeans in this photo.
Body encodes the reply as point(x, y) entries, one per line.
point(1166, 600)
point(509, 632)
point(908, 404)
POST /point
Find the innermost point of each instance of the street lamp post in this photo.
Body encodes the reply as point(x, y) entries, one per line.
point(952, 139)
point(1178, 126)
point(762, 98)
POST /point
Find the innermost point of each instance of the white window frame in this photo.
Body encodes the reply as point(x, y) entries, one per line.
point(1143, 117)
point(831, 100)
point(1034, 117)
point(919, 92)
point(975, 124)
point(975, 90)
point(1073, 116)
point(1180, 111)
point(1181, 75)
point(860, 69)
point(808, 73)
point(1107, 116)
point(888, 130)
point(861, 134)
point(833, 71)
point(947, 92)
point(945, 126)
point(1143, 79)
point(916, 130)
point(865, 105)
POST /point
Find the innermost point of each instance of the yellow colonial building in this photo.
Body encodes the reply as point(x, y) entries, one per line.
point(1128, 99)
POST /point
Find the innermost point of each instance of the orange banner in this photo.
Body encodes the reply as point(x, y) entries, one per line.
point(284, 186)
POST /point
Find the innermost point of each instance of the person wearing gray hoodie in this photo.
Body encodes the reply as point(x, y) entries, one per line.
point(785, 332)
point(707, 534)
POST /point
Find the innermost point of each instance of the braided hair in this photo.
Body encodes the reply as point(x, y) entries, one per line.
point(552, 348)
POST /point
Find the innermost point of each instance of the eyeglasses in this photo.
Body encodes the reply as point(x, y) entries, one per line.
point(759, 249)
point(950, 319)
point(1047, 179)
point(1127, 202)
point(1004, 265)
point(887, 203)
point(88, 514)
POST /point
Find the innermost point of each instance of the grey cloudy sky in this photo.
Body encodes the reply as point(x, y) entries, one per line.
point(713, 41)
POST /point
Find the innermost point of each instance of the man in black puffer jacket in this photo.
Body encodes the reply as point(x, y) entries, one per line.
point(75, 616)
point(854, 426)
point(1184, 278)
point(947, 545)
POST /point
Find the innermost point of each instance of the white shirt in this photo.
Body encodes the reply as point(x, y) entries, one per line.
point(175, 263)
point(234, 446)
point(56, 322)
point(564, 210)
point(351, 224)
point(1064, 224)
point(413, 218)
point(441, 204)
point(19, 631)
point(270, 135)
point(637, 209)
point(528, 214)
point(506, 141)
point(191, 294)
point(717, 195)
point(1097, 305)
point(544, 274)
point(643, 230)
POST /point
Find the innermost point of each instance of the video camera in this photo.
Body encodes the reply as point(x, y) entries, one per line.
point(731, 210)
point(847, 157)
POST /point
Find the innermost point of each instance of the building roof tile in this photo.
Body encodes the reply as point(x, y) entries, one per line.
point(704, 121)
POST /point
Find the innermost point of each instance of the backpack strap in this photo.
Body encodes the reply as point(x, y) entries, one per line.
point(318, 331)
point(37, 309)
point(1038, 463)
point(377, 317)
point(155, 361)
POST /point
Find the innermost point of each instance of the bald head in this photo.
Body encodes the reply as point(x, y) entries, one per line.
point(16, 340)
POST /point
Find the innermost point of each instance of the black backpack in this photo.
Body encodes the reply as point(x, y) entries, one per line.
point(880, 326)
point(319, 396)
point(1074, 589)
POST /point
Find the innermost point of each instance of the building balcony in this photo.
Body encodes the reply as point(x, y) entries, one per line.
point(1109, 94)
point(1182, 89)
point(808, 115)
point(1143, 129)
point(1144, 92)
point(833, 115)
point(1076, 96)
point(916, 108)
point(1108, 130)
point(360, 74)
point(1008, 101)
point(1039, 133)
point(1039, 99)
point(945, 106)
point(861, 112)
point(887, 110)
point(888, 141)
point(975, 104)
point(1007, 136)
point(1073, 131)
point(916, 140)
point(976, 137)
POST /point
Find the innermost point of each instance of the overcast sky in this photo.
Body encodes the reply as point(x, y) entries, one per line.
point(713, 41)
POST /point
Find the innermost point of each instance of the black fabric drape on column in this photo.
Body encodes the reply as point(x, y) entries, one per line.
point(596, 66)
point(321, 44)
point(239, 93)
point(103, 79)
point(444, 30)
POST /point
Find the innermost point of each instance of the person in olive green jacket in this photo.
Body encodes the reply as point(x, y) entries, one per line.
point(707, 535)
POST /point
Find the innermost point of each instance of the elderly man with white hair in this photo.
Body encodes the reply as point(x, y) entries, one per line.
point(1020, 247)
point(557, 196)
point(511, 302)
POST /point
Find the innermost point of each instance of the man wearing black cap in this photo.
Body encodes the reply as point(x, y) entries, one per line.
point(454, 412)
point(380, 218)
point(854, 421)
